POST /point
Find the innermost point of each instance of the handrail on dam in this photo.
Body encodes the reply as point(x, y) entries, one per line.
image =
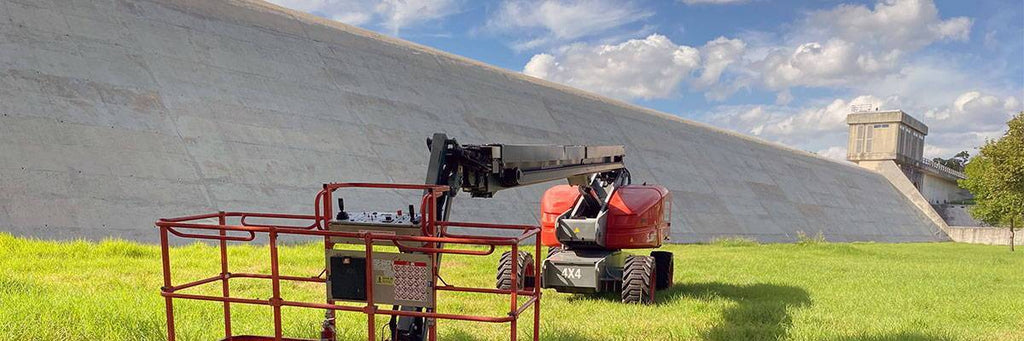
point(431, 243)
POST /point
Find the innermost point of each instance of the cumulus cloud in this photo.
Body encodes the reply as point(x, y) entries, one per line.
point(547, 22)
point(967, 122)
point(820, 128)
point(844, 47)
point(647, 68)
point(963, 123)
point(892, 24)
point(392, 15)
point(847, 45)
point(712, 2)
point(717, 55)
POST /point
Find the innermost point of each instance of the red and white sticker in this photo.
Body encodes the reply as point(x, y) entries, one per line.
point(412, 281)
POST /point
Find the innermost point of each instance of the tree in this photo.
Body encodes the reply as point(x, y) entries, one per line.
point(957, 162)
point(996, 179)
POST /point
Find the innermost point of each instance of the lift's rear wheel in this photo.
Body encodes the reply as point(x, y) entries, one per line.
point(638, 280)
point(524, 271)
point(664, 268)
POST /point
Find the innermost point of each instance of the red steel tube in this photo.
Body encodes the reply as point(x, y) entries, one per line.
point(253, 229)
point(457, 317)
point(538, 277)
point(370, 307)
point(224, 275)
point(522, 308)
point(434, 250)
point(482, 290)
point(287, 278)
point(194, 283)
point(222, 237)
point(188, 218)
point(245, 216)
point(515, 289)
point(275, 285)
point(486, 225)
point(165, 254)
point(284, 303)
point(169, 295)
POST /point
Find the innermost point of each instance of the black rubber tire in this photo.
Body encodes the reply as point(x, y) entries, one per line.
point(527, 278)
point(664, 268)
point(637, 286)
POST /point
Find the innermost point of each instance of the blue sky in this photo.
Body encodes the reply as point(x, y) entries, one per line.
point(785, 71)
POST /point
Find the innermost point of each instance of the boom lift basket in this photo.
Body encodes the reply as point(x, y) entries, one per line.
point(430, 245)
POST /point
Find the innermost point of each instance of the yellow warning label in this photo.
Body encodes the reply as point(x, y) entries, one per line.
point(385, 280)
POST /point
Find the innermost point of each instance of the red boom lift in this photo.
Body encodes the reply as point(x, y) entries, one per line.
point(586, 224)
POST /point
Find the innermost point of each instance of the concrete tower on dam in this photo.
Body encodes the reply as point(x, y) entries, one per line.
point(878, 137)
point(116, 113)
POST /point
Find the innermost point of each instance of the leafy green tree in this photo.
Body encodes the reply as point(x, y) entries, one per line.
point(957, 162)
point(996, 179)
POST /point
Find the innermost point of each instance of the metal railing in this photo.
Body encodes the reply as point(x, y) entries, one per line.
point(942, 169)
point(435, 238)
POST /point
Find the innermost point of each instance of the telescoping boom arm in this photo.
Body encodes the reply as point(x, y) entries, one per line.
point(482, 170)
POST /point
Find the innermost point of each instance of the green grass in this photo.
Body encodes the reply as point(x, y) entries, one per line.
point(732, 290)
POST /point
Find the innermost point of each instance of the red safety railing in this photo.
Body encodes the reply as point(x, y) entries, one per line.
point(435, 238)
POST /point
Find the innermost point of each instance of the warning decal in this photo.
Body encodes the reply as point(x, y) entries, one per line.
point(412, 281)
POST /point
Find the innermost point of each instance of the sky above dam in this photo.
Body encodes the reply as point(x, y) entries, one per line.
point(785, 71)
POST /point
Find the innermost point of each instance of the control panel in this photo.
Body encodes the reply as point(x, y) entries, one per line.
point(397, 218)
point(398, 223)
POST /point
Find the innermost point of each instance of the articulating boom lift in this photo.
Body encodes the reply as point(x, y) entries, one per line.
point(598, 214)
point(586, 223)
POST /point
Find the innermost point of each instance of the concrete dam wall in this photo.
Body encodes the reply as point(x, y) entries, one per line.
point(116, 113)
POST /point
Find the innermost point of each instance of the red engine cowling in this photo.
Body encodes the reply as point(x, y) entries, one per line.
point(556, 200)
point(639, 216)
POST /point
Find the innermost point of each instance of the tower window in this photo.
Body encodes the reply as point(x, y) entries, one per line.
point(860, 139)
point(868, 139)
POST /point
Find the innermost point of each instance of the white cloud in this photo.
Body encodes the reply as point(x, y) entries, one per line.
point(873, 52)
point(546, 22)
point(392, 15)
point(717, 55)
point(834, 152)
point(845, 46)
point(712, 2)
point(891, 24)
point(967, 122)
point(821, 127)
point(962, 123)
point(652, 67)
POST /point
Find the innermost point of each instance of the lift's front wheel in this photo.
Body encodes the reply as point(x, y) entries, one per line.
point(664, 269)
point(638, 280)
point(525, 273)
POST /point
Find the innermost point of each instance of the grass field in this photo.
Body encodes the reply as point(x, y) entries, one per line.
point(725, 291)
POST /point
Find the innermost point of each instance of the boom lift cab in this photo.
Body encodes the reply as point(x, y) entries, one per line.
point(586, 228)
point(638, 217)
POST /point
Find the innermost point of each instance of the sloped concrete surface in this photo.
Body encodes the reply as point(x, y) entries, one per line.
point(957, 215)
point(115, 113)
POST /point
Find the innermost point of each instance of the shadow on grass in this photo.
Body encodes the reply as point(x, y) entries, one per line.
point(904, 336)
point(761, 311)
